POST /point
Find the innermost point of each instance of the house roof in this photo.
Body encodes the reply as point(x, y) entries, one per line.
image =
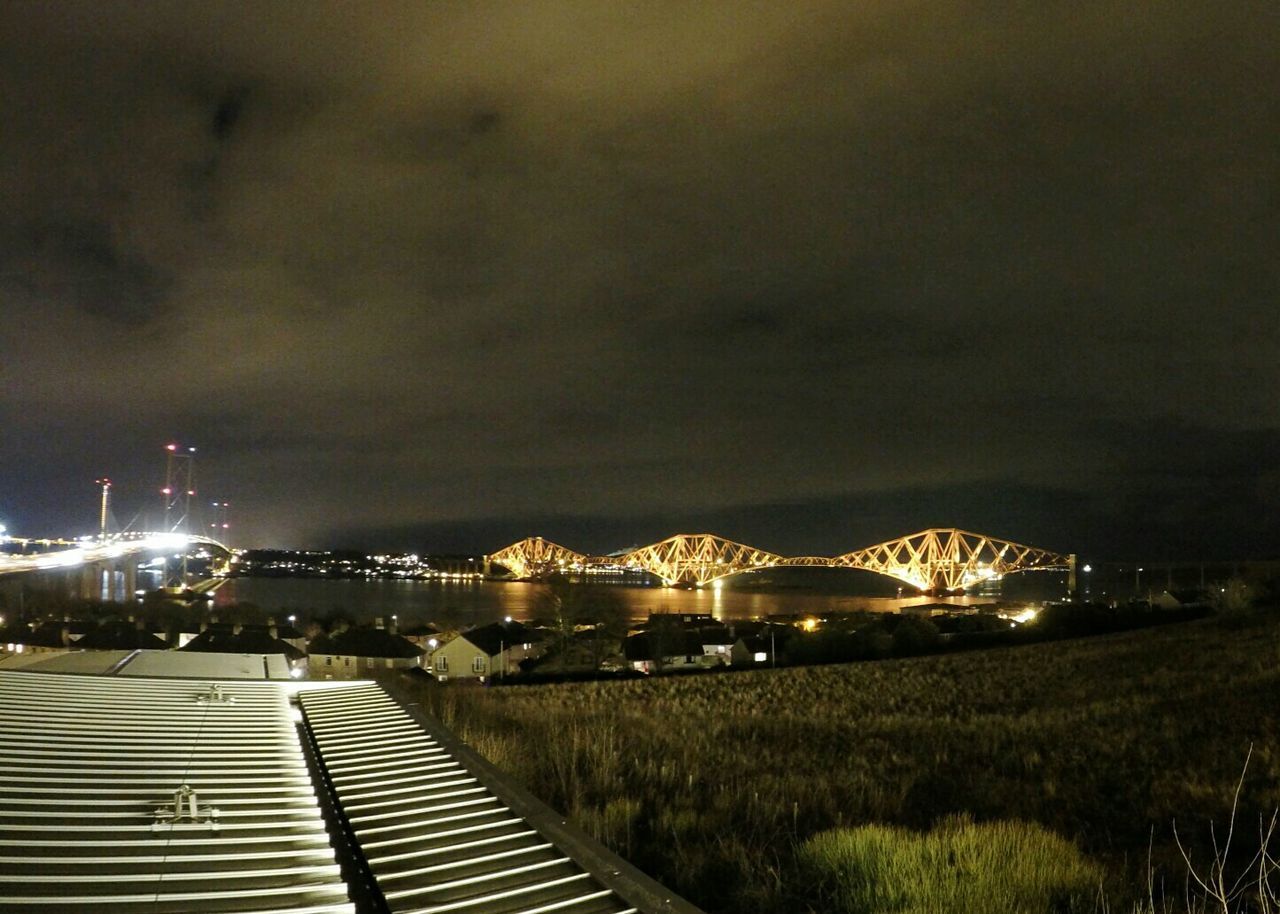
point(117, 635)
point(756, 644)
point(715, 634)
point(645, 646)
point(247, 641)
point(492, 639)
point(364, 642)
point(422, 629)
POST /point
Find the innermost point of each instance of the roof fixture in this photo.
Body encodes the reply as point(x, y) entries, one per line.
point(215, 696)
point(185, 809)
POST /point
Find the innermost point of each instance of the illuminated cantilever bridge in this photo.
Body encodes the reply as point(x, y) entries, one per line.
point(937, 560)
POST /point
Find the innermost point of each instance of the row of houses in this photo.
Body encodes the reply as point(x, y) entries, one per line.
point(356, 652)
point(701, 646)
point(345, 652)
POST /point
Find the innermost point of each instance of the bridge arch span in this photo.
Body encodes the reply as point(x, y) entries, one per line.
point(940, 559)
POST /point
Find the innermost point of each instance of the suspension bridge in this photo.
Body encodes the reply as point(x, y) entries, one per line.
point(105, 568)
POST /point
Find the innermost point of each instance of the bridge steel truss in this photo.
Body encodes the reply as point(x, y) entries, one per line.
point(937, 560)
point(944, 559)
point(534, 557)
point(698, 558)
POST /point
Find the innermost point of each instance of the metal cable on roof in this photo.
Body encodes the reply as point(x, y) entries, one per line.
point(195, 742)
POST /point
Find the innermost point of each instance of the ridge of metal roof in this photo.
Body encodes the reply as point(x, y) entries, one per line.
point(304, 798)
point(461, 837)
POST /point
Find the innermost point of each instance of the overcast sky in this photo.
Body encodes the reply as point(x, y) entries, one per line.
point(806, 274)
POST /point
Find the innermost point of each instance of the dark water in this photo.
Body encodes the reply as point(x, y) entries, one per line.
point(463, 603)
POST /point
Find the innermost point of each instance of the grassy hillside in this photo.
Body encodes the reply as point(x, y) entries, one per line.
point(712, 782)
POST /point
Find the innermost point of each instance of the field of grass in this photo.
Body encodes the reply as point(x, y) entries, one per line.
point(714, 783)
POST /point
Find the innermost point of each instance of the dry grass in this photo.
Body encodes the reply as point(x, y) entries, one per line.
point(712, 782)
point(958, 866)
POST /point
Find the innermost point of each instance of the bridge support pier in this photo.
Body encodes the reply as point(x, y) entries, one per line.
point(90, 583)
point(1071, 576)
point(124, 580)
point(115, 582)
point(130, 580)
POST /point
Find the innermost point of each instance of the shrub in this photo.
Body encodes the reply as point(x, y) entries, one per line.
point(958, 866)
point(914, 636)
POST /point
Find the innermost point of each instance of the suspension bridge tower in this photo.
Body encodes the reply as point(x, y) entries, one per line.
point(179, 489)
point(104, 510)
point(220, 525)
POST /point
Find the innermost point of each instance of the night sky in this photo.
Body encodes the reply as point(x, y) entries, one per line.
point(439, 275)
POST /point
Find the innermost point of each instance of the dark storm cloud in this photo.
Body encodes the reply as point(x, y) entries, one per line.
point(227, 114)
point(84, 267)
point(414, 264)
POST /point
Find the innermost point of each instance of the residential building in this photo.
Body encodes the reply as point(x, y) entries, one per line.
point(356, 653)
point(490, 650)
point(668, 651)
point(234, 638)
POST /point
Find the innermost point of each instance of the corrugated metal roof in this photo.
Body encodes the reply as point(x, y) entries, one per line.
point(89, 768)
point(435, 839)
point(167, 795)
